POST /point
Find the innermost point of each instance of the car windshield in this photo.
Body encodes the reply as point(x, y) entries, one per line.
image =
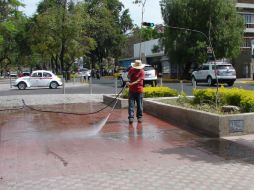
point(148, 68)
point(83, 70)
point(223, 67)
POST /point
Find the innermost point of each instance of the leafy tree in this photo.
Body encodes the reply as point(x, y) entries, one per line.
point(109, 21)
point(10, 24)
point(216, 20)
point(60, 33)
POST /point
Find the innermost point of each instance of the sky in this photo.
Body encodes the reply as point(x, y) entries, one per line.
point(152, 11)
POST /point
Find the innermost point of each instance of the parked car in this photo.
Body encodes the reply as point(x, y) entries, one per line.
point(39, 78)
point(13, 74)
point(150, 76)
point(84, 72)
point(224, 71)
point(23, 74)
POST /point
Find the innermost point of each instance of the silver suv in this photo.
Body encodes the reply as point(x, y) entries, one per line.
point(207, 73)
point(150, 76)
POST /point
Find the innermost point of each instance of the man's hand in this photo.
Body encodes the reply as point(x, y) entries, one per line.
point(127, 84)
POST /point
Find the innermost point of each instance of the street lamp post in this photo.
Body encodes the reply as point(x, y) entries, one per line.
point(142, 19)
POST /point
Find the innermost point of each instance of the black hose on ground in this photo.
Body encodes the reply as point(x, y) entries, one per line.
point(71, 113)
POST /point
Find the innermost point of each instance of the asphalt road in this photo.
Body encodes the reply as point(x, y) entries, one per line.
point(103, 86)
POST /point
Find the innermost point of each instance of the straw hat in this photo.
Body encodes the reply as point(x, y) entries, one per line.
point(138, 64)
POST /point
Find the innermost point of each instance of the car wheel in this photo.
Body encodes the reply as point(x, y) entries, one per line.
point(193, 81)
point(22, 86)
point(53, 85)
point(230, 83)
point(209, 81)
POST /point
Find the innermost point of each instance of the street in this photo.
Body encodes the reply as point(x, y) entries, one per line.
point(103, 86)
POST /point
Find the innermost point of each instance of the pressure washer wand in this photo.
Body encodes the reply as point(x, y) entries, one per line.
point(119, 95)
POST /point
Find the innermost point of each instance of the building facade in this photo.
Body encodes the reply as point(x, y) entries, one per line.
point(244, 63)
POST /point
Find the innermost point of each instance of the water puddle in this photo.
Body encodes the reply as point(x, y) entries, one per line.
point(57, 125)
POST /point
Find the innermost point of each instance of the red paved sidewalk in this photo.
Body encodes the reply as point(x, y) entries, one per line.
point(58, 151)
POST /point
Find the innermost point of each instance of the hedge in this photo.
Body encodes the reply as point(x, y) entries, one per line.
point(234, 96)
point(150, 92)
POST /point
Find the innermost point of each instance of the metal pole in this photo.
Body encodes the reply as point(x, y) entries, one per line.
point(181, 84)
point(63, 85)
point(10, 80)
point(115, 85)
point(91, 80)
point(195, 85)
point(142, 18)
point(90, 85)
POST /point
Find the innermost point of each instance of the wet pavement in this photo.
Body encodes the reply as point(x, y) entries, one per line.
point(67, 151)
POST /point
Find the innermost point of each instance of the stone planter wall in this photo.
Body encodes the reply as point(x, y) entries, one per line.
point(211, 124)
point(121, 103)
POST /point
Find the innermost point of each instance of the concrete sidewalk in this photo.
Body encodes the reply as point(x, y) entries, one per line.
point(74, 152)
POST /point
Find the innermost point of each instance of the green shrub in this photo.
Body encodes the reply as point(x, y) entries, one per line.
point(203, 96)
point(234, 96)
point(150, 92)
point(247, 103)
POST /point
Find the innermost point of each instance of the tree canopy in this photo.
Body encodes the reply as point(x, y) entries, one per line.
point(61, 31)
point(214, 20)
point(12, 23)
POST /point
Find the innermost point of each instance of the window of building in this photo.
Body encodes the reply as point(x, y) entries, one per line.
point(248, 19)
point(246, 43)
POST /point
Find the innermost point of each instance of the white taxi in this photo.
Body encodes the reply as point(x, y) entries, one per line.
point(39, 78)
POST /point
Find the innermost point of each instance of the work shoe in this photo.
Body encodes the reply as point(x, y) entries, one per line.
point(130, 120)
point(140, 120)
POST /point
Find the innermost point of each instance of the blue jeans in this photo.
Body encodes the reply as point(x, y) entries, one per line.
point(138, 98)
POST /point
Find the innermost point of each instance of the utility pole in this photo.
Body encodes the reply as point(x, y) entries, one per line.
point(141, 26)
point(142, 2)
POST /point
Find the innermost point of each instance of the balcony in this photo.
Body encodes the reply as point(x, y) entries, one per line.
point(245, 5)
point(249, 30)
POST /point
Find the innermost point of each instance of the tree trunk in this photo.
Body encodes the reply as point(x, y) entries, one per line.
point(56, 64)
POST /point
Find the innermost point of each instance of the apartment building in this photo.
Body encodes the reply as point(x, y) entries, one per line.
point(244, 64)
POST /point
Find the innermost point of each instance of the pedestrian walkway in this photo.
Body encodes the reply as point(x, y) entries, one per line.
point(57, 152)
